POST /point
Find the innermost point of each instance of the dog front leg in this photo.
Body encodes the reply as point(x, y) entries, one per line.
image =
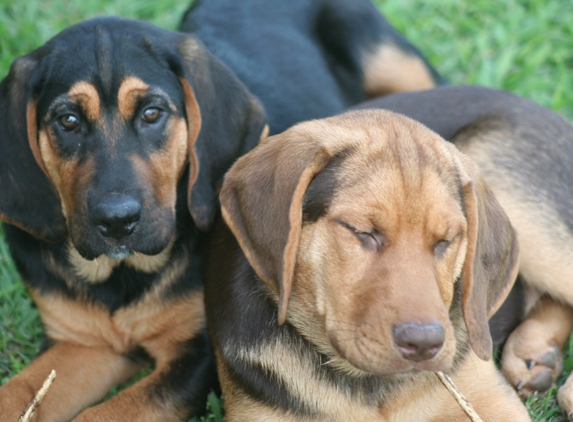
point(174, 391)
point(84, 375)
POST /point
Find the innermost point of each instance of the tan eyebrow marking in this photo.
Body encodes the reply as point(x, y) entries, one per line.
point(87, 96)
point(131, 88)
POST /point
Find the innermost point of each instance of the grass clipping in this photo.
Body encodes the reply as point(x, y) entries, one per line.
point(462, 401)
point(35, 402)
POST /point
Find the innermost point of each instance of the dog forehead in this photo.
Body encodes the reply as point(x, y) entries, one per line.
point(396, 164)
point(104, 52)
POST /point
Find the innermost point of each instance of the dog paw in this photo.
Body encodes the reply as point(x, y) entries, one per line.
point(565, 398)
point(531, 369)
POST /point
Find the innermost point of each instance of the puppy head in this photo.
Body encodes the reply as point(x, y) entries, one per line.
point(102, 125)
point(369, 223)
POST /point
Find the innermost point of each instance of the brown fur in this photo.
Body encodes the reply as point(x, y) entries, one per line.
point(343, 294)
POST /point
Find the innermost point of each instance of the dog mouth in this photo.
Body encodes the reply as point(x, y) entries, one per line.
point(385, 364)
point(119, 253)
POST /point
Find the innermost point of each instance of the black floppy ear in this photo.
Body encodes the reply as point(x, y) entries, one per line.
point(28, 199)
point(224, 122)
point(492, 260)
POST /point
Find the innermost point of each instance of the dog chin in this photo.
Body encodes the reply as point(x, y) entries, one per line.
point(120, 252)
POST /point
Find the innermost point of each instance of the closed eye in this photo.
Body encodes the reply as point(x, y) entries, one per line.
point(371, 240)
point(440, 248)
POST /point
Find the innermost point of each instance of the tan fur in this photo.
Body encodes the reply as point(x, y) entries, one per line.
point(410, 268)
point(133, 404)
point(546, 266)
point(92, 371)
point(345, 297)
point(88, 334)
point(545, 330)
point(388, 70)
point(149, 322)
point(193, 128)
point(545, 244)
point(67, 176)
point(85, 94)
point(164, 169)
point(98, 270)
point(129, 91)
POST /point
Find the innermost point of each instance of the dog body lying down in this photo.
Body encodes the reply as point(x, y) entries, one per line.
point(115, 136)
point(320, 55)
point(525, 152)
point(369, 254)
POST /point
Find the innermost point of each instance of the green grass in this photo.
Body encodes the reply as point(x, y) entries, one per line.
point(522, 46)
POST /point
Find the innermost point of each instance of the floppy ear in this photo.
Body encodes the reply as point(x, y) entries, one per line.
point(491, 263)
point(28, 199)
point(262, 199)
point(225, 121)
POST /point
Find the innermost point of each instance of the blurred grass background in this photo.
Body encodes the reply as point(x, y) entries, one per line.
point(524, 46)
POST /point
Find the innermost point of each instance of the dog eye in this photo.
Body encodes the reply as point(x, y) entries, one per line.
point(68, 122)
point(372, 241)
point(440, 247)
point(151, 114)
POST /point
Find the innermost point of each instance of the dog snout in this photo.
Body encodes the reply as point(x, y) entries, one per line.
point(419, 342)
point(117, 216)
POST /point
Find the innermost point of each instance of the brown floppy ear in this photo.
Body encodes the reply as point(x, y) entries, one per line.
point(224, 122)
point(28, 199)
point(491, 263)
point(262, 199)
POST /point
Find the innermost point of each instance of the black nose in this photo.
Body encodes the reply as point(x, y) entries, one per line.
point(419, 342)
point(116, 216)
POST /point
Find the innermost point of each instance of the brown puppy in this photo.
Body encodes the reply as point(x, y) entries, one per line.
point(371, 255)
point(525, 152)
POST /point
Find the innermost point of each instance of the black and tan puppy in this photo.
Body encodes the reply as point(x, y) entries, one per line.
point(110, 134)
point(360, 254)
point(114, 138)
point(325, 55)
point(525, 152)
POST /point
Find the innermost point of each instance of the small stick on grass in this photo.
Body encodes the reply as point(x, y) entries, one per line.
point(462, 401)
point(35, 402)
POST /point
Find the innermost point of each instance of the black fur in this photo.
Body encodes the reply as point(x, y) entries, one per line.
point(303, 52)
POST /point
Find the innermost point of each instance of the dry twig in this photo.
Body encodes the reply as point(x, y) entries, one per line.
point(462, 401)
point(35, 402)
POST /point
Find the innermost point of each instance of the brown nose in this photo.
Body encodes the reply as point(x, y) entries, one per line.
point(419, 342)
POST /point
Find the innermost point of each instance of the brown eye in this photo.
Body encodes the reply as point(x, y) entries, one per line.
point(68, 122)
point(440, 248)
point(151, 114)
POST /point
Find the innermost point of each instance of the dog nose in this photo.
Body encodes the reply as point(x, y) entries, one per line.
point(419, 342)
point(117, 216)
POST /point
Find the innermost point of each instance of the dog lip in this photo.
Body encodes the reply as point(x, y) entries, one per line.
point(120, 252)
point(409, 369)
